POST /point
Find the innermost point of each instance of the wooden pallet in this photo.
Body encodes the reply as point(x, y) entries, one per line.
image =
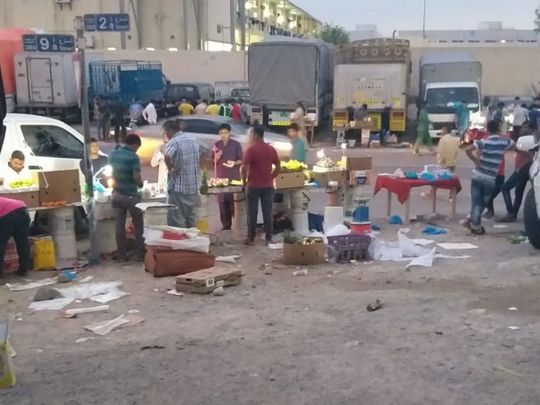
point(206, 281)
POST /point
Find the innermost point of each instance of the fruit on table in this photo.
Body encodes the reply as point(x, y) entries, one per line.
point(326, 162)
point(293, 166)
point(59, 203)
point(21, 184)
point(216, 182)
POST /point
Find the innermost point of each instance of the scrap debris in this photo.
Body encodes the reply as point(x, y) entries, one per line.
point(375, 306)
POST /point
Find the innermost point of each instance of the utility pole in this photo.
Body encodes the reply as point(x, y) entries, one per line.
point(242, 10)
point(185, 12)
point(85, 113)
point(424, 20)
point(122, 9)
point(233, 23)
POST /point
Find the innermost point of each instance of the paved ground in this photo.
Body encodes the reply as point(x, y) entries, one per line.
point(441, 337)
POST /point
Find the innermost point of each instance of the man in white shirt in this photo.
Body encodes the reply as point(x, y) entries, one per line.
point(201, 107)
point(521, 115)
point(16, 170)
point(150, 114)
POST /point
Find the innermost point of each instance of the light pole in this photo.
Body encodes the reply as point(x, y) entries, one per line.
point(424, 20)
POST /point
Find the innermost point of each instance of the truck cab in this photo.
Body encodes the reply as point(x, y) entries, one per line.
point(441, 99)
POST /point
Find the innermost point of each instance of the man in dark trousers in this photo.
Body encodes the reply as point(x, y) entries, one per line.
point(119, 120)
point(227, 157)
point(127, 181)
point(259, 175)
point(14, 222)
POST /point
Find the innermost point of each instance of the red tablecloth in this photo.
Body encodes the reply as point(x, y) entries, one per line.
point(402, 187)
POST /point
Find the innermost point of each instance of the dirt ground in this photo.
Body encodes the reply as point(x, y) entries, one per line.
point(442, 336)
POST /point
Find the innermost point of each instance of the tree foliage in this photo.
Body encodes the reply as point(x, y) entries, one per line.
point(334, 34)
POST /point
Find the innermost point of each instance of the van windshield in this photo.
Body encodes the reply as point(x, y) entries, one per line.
point(441, 100)
point(180, 92)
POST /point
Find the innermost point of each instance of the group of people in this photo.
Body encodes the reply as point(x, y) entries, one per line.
point(234, 109)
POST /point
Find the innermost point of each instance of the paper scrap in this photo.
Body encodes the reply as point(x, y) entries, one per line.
point(457, 246)
point(275, 246)
point(86, 279)
point(31, 285)
point(105, 327)
point(228, 259)
point(101, 292)
point(73, 312)
point(423, 242)
point(513, 327)
point(512, 309)
point(174, 292)
point(50, 305)
point(84, 339)
point(500, 226)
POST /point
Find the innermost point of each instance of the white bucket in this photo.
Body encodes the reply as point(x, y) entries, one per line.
point(62, 222)
point(300, 222)
point(106, 240)
point(297, 201)
point(333, 216)
point(156, 216)
point(351, 143)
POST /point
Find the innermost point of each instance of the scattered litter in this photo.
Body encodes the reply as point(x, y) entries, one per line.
point(45, 293)
point(86, 279)
point(338, 230)
point(513, 327)
point(67, 276)
point(395, 220)
point(512, 309)
point(404, 230)
point(228, 259)
point(50, 305)
point(457, 246)
point(133, 311)
point(31, 285)
point(354, 262)
point(265, 266)
point(519, 239)
point(423, 242)
point(152, 347)
point(433, 230)
point(219, 292)
point(84, 339)
point(101, 292)
point(299, 273)
point(176, 293)
point(352, 343)
point(105, 327)
point(507, 370)
point(477, 311)
point(73, 312)
point(374, 306)
point(18, 316)
point(439, 332)
point(275, 246)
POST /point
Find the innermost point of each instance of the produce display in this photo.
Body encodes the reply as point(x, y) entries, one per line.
point(293, 166)
point(59, 203)
point(217, 182)
point(292, 239)
point(21, 184)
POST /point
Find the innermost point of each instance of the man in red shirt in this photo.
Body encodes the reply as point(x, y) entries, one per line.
point(14, 222)
point(236, 113)
point(258, 174)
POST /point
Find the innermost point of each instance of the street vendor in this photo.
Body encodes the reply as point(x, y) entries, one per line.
point(98, 161)
point(16, 170)
point(298, 145)
point(227, 158)
point(14, 222)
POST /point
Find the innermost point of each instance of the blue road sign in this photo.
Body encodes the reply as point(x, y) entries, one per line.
point(48, 43)
point(106, 22)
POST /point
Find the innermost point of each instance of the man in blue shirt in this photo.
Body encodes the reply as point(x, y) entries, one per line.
point(298, 151)
point(127, 181)
point(462, 118)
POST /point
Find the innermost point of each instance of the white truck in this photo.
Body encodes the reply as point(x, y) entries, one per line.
point(375, 72)
point(47, 84)
point(445, 79)
point(284, 71)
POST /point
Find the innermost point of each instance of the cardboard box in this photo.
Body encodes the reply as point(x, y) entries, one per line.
point(30, 198)
point(303, 255)
point(359, 163)
point(163, 262)
point(206, 281)
point(290, 180)
point(59, 185)
point(323, 178)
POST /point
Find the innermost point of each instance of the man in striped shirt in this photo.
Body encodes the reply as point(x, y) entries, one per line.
point(487, 155)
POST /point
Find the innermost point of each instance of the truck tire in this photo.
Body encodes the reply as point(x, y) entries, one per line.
point(532, 223)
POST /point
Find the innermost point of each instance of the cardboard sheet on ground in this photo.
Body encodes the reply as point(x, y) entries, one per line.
point(50, 305)
point(457, 246)
point(105, 327)
point(405, 249)
point(101, 292)
point(32, 284)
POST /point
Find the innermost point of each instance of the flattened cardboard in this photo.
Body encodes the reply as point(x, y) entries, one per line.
point(303, 255)
point(59, 185)
point(289, 180)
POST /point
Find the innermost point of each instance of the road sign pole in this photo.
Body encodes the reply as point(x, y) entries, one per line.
point(85, 113)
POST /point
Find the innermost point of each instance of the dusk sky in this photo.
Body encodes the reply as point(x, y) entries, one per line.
point(407, 14)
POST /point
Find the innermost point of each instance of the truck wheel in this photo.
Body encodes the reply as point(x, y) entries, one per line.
point(532, 223)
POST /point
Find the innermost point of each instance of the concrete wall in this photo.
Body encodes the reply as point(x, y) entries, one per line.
point(190, 66)
point(507, 70)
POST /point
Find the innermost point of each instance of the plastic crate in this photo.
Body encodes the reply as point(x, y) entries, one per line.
point(349, 247)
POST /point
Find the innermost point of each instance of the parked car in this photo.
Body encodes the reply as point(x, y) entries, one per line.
point(241, 93)
point(205, 128)
point(531, 210)
point(192, 92)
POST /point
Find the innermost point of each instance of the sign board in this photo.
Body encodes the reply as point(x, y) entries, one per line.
point(106, 22)
point(48, 43)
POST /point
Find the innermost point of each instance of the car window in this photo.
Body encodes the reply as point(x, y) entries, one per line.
point(52, 141)
point(180, 92)
point(202, 126)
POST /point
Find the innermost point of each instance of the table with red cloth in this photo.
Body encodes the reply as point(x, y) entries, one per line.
point(402, 188)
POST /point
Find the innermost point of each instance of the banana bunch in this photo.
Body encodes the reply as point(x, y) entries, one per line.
point(21, 184)
point(293, 166)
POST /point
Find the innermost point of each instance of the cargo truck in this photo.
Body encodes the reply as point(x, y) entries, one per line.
point(375, 72)
point(283, 71)
point(47, 84)
point(445, 79)
point(127, 80)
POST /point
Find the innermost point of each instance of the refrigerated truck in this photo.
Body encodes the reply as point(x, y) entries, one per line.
point(445, 79)
point(47, 84)
point(375, 72)
point(283, 71)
